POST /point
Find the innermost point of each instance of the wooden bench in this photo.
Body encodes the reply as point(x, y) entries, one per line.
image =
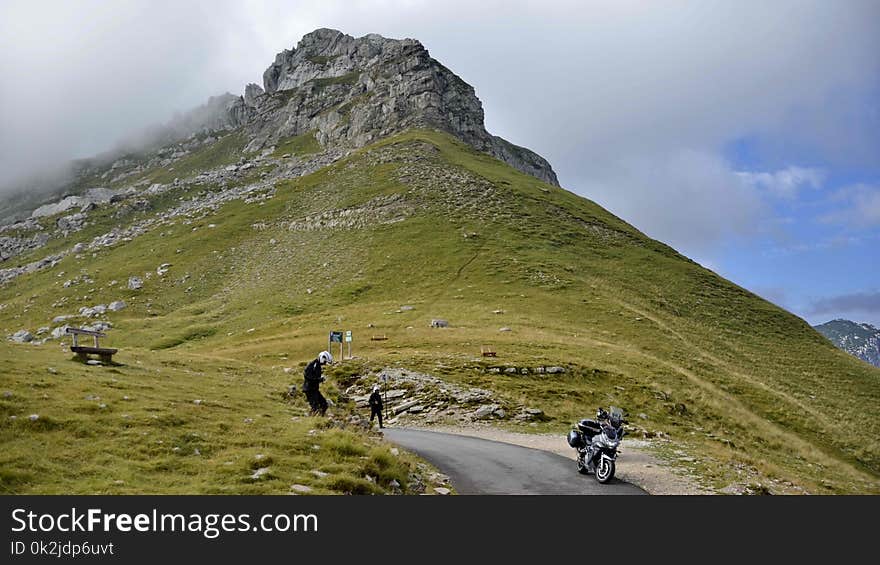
point(487, 351)
point(378, 338)
point(83, 351)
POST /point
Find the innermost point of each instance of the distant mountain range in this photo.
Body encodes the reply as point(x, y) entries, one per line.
point(860, 340)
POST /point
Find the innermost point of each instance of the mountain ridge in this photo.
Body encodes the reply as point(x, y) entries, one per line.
point(860, 340)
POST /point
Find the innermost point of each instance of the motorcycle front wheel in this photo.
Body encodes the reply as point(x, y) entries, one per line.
point(605, 470)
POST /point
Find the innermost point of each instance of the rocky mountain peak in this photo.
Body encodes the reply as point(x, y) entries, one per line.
point(350, 91)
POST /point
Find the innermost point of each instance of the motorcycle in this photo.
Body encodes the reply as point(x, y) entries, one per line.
point(596, 442)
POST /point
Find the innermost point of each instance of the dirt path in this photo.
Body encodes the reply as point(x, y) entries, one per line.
point(636, 463)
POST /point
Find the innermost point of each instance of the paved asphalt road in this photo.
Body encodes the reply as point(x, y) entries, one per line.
point(479, 466)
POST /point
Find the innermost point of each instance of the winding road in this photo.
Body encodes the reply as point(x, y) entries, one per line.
point(479, 466)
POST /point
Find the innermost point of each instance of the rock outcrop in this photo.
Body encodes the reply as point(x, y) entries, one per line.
point(350, 91)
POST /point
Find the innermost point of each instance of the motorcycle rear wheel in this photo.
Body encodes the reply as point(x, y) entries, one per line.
point(604, 471)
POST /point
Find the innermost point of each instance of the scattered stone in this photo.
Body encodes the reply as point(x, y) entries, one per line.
point(319, 474)
point(504, 329)
point(260, 473)
point(117, 305)
point(405, 406)
point(554, 370)
point(248, 420)
point(7, 394)
point(22, 336)
point(300, 488)
point(485, 411)
point(197, 402)
point(733, 489)
point(395, 452)
point(93, 362)
point(439, 323)
point(135, 283)
point(34, 417)
point(407, 308)
point(442, 491)
point(43, 330)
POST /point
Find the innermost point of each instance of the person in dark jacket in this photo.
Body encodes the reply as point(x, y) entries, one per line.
point(312, 379)
point(376, 406)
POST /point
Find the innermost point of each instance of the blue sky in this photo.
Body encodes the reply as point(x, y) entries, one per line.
point(819, 254)
point(746, 134)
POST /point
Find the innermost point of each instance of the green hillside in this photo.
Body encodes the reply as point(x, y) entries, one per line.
point(421, 220)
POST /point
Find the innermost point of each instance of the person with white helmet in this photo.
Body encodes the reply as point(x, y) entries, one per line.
point(376, 406)
point(312, 379)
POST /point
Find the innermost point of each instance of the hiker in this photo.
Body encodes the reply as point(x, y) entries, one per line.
point(376, 406)
point(312, 383)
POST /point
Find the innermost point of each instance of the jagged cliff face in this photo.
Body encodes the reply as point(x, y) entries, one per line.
point(351, 91)
point(859, 340)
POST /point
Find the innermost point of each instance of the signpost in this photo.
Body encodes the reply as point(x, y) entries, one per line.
point(348, 341)
point(335, 337)
point(384, 378)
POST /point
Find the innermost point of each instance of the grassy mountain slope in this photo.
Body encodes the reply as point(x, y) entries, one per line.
point(421, 219)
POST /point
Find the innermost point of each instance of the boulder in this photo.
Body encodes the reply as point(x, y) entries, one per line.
point(60, 331)
point(73, 222)
point(259, 473)
point(62, 205)
point(485, 411)
point(117, 305)
point(22, 336)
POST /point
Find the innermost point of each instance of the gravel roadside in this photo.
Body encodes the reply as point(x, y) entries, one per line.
point(636, 463)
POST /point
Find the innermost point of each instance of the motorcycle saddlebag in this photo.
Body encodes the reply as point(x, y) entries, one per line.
point(576, 439)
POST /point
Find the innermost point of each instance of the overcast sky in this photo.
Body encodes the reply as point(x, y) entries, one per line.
point(745, 134)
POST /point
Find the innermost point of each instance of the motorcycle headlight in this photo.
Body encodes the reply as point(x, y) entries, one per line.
point(606, 441)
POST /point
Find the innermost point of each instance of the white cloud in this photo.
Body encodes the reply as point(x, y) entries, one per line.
point(691, 199)
point(786, 183)
point(858, 206)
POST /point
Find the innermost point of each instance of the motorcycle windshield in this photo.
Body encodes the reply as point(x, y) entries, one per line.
point(616, 416)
